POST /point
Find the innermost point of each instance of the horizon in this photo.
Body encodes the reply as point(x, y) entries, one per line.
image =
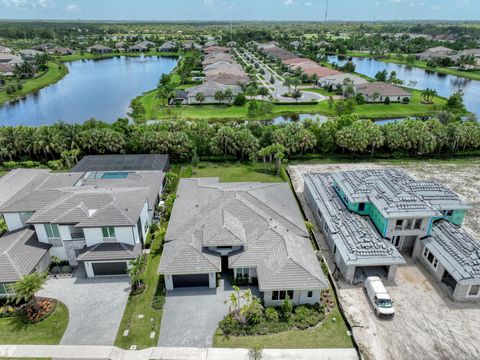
point(240, 10)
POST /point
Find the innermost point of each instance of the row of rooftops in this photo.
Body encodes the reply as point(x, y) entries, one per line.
point(396, 194)
point(357, 238)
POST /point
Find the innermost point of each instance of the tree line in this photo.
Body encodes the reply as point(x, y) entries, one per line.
point(61, 144)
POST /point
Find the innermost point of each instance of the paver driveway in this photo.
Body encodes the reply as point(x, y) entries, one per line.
point(191, 315)
point(95, 307)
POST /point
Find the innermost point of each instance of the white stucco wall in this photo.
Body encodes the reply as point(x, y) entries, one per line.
point(64, 232)
point(212, 280)
point(299, 298)
point(126, 235)
point(58, 252)
point(41, 233)
point(93, 236)
point(144, 219)
point(13, 221)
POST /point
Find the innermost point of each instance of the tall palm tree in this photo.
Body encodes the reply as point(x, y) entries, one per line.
point(135, 271)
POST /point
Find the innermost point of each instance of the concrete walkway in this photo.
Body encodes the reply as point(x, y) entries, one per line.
point(113, 353)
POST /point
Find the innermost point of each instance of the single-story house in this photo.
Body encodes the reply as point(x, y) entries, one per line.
point(231, 43)
point(5, 50)
point(339, 80)
point(379, 91)
point(227, 79)
point(435, 52)
point(29, 54)
point(120, 46)
point(190, 45)
point(255, 231)
point(61, 51)
point(168, 46)
point(138, 48)
point(99, 49)
point(215, 49)
point(208, 89)
point(8, 63)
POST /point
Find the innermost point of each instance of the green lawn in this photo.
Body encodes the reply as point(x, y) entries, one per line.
point(141, 327)
point(54, 73)
point(329, 334)
point(47, 332)
point(154, 110)
point(235, 172)
point(87, 55)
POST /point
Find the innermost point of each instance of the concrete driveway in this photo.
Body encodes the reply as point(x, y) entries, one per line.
point(95, 307)
point(191, 315)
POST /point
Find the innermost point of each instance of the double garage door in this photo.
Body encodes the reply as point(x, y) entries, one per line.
point(109, 268)
point(193, 280)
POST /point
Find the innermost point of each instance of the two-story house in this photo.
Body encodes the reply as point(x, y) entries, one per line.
point(369, 216)
point(95, 219)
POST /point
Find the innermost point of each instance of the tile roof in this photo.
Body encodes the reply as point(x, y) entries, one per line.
point(210, 88)
point(456, 250)
point(263, 218)
point(396, 194)
point(110, 251)
point(20, 252)
point(381, 88)
point(354, 236)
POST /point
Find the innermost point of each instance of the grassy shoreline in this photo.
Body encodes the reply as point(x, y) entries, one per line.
point(55, 72)
point(90, 56)
point(472, 75)
point(240, 113)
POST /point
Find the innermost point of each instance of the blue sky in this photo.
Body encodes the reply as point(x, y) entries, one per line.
point(239, 9)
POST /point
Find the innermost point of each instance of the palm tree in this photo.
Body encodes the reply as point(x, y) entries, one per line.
point(288, 82)
point(135, 271)
point(200, 97)
point(26, 287)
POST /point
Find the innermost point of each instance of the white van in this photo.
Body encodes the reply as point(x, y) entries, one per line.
point(378, 296)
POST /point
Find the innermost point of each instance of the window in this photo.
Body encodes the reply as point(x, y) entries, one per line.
point(282, 295)
point(448, 212)
point(430, 258)
point(396, 241)
point(361, 207)
point(52, 231)
point(409, 224)
point(242, 272)
point(310, 294)
point(474, 291)
point(418, 224)
point(399, 225)
point(108, 232)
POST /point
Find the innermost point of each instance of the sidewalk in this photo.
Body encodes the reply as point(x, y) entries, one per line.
point(113, 353)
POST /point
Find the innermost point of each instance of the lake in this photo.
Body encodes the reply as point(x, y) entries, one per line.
point(101, 89)
point(444, 84)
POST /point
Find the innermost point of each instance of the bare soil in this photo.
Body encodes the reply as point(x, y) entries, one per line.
point(427, 325)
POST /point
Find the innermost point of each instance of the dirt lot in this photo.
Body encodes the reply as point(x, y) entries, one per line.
point(427, 324)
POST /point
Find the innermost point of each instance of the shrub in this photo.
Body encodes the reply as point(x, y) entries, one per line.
point(153, 228)
point(148, 241)
point(271, 314)
point(387, 101)
point(230, 326)
point(287, 308)
point(158, 300)
point(405, 100)
point(240, 99)
point(306, 317)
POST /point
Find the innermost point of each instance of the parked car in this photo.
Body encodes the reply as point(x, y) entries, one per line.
point(378, 296)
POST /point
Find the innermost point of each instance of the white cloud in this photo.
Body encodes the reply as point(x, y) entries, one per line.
point(72, 8)
point(289, 2)
point(308, 3)
point(25, 4)
point(208, 2)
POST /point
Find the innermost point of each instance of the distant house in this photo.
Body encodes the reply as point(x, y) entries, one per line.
point(231, 43)
point(435, 52)
point(215, 49)
point(340, 79)
point(99, 49)
point(120, 46)
point(138, 48)
point(168, 46)
point(211, 43)
point(295, 44)
point(322, 44)
point(190, 45)
point(30, 54)
point(44, 47)
point(61, 51)
point(208, 89)
point(379, 91)
point(5, 50)
point(8, 63)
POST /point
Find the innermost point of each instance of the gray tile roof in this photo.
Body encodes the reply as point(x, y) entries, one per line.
point(381, 88)
point(396, 194)
point(20, 180)
point(91, 202)
point(20, 252)
point(456, 250)
point(210, 88)
point(263, 218)
point(354, 236)
point(110, 251)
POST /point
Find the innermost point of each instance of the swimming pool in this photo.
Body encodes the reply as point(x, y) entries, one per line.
point(114, 175)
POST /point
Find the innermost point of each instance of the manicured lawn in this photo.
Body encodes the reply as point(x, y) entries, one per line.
point(329, 334)
point(48, 332)
point(87, 55)
point(235, 172)
point(54, 73)
point(140, 328)
point(154, 110)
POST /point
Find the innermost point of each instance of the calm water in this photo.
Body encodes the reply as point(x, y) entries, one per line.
point(444, 84)
point(100, 89)
point(287, 119)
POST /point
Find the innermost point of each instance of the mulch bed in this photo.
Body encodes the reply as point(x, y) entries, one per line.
point(46, 307)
